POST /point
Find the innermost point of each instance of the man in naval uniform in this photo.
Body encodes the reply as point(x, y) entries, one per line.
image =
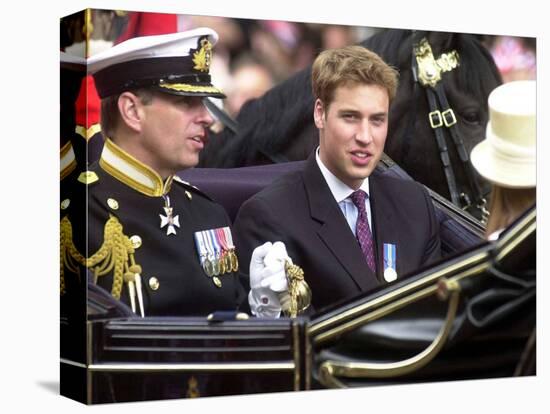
point(155, 242)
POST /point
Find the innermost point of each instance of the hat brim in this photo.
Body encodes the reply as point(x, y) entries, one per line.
point(504, 171)
point(185, 89)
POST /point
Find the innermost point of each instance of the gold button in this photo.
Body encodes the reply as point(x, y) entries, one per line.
point(154, 283)
point(136, 241)
point(111, 202)
point(188, 194)
point(65, 203)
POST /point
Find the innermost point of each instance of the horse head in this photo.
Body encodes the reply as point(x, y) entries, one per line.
point(412, 140)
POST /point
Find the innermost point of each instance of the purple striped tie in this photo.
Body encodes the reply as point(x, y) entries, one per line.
point(362, 229)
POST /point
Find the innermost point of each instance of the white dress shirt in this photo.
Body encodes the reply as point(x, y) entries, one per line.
point(341, 193)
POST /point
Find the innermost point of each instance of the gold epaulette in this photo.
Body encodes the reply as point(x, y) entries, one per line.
point(116, 254)
point(69, 253)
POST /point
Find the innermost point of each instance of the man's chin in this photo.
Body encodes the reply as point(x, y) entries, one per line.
point(362, 173)
point(187, 166)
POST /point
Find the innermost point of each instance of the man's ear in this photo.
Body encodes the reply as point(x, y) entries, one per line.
point(130, 109)
point(319, 114)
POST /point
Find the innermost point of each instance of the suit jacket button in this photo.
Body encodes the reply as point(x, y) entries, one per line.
point(154, 283)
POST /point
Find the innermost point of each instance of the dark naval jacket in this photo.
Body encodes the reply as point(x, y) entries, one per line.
point(138, 239)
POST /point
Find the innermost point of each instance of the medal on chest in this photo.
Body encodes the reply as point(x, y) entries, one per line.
point(207, 256)
point(390, 257)
point(169, 219)
point(216, 253)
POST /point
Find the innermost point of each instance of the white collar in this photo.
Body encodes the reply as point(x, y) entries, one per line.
point(121, 165)
point(340, 191)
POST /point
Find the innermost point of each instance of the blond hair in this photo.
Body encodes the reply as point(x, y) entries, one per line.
point(350, 65)
point(507, 204)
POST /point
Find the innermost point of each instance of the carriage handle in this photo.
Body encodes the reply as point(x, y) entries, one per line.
point(330, 370)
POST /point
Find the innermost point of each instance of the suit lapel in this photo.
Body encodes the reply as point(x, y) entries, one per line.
point(334, 230)
point(385, 231)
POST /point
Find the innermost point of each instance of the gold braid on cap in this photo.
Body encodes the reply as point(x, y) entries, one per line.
point(115, 254)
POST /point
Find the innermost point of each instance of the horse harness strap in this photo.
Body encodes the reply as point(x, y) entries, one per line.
point(441, 114)
point(221, 115)
point(430, 72)
point(449, 120)
point(437, 119)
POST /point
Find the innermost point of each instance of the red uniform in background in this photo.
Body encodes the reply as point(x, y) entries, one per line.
point(146, 24)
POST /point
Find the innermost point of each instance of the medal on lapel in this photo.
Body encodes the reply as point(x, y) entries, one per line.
point(169, 220)
point(390, 273)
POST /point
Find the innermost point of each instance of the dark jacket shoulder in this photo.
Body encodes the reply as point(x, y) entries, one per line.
point(191, 188)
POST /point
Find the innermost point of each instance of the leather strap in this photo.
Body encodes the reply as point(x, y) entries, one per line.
point(436, 121)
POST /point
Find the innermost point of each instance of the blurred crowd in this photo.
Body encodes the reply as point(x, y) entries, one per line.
point(515, 57)
point(254, 55)
point(250, 57)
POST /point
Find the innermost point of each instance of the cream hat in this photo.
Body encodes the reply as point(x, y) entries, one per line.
point(507, 156)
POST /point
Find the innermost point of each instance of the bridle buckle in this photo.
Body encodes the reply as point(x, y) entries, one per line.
point(449, 117)
point(435, 119)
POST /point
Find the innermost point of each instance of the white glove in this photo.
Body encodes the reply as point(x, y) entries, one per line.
point(267, 279)
point(275, 261)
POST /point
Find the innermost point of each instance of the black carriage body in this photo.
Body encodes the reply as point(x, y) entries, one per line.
point(163, 358)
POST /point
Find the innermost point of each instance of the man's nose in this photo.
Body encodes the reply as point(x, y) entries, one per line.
point(364, 132)
point(204, 116)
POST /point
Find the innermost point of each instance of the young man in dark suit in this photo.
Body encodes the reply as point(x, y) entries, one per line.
point(349, 227)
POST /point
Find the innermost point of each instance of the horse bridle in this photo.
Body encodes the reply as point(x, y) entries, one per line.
point(427, 71)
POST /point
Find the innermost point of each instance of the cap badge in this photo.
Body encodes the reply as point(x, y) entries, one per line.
point(203, 57)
